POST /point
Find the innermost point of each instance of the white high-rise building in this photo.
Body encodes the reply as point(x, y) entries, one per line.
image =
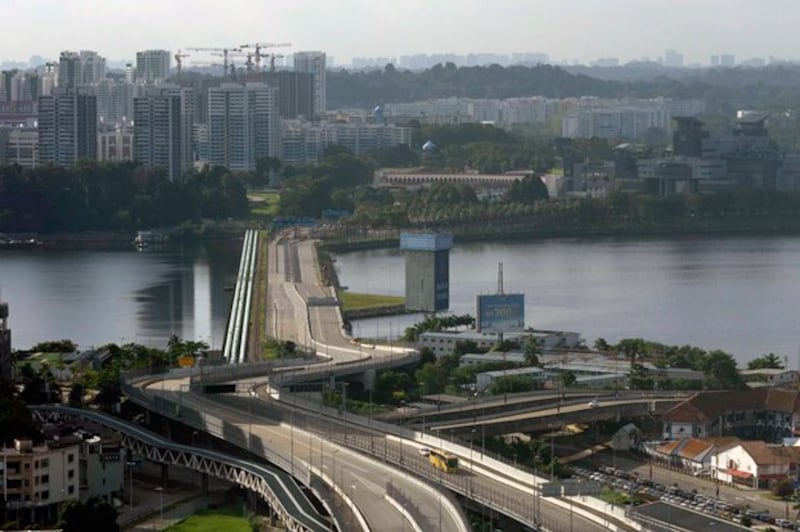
point(162, 129)
point(114, 101)
point(152, 66)
point(243, 125)
point(314, 63)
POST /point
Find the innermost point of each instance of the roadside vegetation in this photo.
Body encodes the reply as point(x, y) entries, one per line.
point(227, 518)
point(355, 301)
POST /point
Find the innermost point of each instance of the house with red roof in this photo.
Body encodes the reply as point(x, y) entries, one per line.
point(767, 413)
point(755, 464)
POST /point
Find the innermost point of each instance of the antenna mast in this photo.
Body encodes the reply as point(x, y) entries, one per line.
point(500, 279)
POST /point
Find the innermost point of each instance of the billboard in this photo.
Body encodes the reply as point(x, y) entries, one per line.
point(501, 313)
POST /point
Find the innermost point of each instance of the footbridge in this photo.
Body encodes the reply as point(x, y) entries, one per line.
point(278, 489)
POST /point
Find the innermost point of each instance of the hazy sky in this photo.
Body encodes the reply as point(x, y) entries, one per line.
point(564, 29)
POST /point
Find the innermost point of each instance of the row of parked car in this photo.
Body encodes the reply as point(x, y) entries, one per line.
point(648, 490)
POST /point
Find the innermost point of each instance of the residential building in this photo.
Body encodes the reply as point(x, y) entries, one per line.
point(20, 146)
point(115, 144)
point(769, 377)
point(152, 66)
point(102, 463)
point(5, 343)
point(755, 464)
point(296, 93)
point(314, 63)
point(67, 127)
point(80, 69)
point(304, 142)
point(765, 413)
point(36, 478)
point(243, 125)
point(162, 129)
point(114, 101)
point(688, 453)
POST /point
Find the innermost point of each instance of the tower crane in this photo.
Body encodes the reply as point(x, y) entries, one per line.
point(223, 51)
point(179, 60)
point(259, 45)
point(272, 58)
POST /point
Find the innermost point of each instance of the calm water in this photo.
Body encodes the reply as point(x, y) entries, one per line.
point(94, 297)
point(741, 295)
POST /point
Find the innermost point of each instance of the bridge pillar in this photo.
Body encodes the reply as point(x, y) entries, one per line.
point(204, 483)
point(164, 475)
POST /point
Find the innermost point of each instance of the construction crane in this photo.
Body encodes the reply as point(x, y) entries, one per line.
point(272, 58)
point(223, 51)
point(259, 45)
point(179, 60)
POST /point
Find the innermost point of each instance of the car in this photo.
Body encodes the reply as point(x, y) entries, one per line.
point(593, 403)
point(424, 451)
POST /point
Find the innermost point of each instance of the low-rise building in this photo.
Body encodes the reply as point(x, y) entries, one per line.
point(36, 478)
point(443, 343)
point(483, 381)
point(689, 453)
point(766, 413)
point(755, 464)
point(769, 377)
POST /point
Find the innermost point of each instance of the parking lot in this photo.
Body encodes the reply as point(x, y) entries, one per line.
point(695, 504)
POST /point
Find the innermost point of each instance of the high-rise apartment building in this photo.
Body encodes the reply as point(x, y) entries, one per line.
point(314, 63)
point(162, 129)
point(296, 96)
point(243, 125)
point(114, 101)
point(152, 66)
point(79, 69)
point(67, 127)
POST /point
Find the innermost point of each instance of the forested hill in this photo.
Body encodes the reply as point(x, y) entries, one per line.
point(369, 88)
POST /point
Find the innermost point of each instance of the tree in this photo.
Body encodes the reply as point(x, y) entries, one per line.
point(512, 384)
point(566, 378)
point(431, 378)
point(531, 352)
point(770, 361)
point(783, 489)
point(92, 514)
point(721, 373)
point(530, 188)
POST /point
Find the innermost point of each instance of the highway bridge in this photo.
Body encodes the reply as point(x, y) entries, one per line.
point(292, 433)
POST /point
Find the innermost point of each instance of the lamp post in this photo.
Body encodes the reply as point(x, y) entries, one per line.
point(160, 491)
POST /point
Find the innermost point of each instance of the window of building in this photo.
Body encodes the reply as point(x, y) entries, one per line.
point(45, 479)
point(71, 490)
point(71, 473)
point(70, 458)
point(45, 495)
point(46, 462)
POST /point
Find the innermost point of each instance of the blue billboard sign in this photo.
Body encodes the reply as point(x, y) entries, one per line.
point(501, 313)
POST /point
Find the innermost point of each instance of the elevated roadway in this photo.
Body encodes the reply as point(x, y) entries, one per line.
point(299, 310)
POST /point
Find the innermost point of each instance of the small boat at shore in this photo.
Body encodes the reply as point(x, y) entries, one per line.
point(146, 239)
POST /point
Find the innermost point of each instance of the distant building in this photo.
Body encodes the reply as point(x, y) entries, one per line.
point(80, 69)
point(162, 129)
point(20, 146)
point(673, 58)
point(152, 66)
point(115, 144)
point(314, 63)
point(296, 93)
point(114, 101)
point(5, 343)
point(67, 127)
point(243, 125)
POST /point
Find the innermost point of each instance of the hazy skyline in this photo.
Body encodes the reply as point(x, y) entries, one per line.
point(569, 30)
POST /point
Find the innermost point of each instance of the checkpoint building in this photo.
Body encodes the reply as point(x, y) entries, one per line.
point(427, 270)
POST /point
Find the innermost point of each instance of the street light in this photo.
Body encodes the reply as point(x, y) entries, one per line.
point(160, 491)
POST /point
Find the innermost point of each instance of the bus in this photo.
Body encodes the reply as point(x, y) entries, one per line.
point(443, 460)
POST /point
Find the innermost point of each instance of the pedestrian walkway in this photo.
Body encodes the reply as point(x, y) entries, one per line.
point(176, 508)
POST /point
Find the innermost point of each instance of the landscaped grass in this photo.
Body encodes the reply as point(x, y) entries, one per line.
point(354, 301)
point(228, 519)
point(263, 204)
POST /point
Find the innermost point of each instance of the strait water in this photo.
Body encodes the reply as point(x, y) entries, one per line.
point(95, 297)
point(739, 294)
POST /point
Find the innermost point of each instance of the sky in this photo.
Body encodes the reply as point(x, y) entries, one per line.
point(566, 30)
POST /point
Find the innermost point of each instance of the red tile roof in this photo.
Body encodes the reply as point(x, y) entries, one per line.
point(764, 454)
point(705, 407)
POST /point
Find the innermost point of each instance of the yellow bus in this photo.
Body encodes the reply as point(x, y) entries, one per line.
point(443, 460)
